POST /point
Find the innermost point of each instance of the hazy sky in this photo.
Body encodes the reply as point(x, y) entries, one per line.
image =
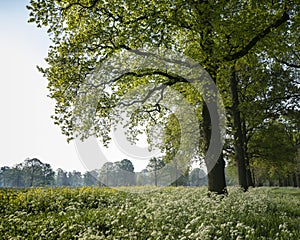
point(27, 131)
point(26, 128)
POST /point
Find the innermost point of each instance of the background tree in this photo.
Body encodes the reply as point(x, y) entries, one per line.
point(90, 178)
point(126, 173)
point(265, 90)
point(35, 173)
point(75, 178)
point(154, 166)
point(5, 179)
point(106, 175)
point(272, 153)
point(231, 173)
point(32, 172)
point(142, 178)
point(198, 177)
point(48, 175)
point(18, 176)
point(61, 178)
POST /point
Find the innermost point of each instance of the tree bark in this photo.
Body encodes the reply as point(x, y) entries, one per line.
point(216, 172)
point(216, 176)
point(238, 133)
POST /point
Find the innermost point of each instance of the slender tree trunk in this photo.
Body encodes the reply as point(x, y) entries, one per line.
point(294, 180)
point(250, 179)
point(250, 182)
point(280, 182)
point(285, 182)
point(253, 178)
point(289, 179)
point(238, 133)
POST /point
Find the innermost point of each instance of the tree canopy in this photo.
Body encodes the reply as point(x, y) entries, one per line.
point(219, 35)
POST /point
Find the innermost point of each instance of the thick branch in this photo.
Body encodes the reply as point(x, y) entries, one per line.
point(172, 77)
point(143, 53)
point(147, 72)
point(161, 87)
point(285, 17)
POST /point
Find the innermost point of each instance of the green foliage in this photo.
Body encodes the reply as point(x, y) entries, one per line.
point(168, 213)
point(231, 174)
point(117, 173)
point(85, 33)
point(250, 35)
point(30, 173)
point(154, 166)
point(272, 151)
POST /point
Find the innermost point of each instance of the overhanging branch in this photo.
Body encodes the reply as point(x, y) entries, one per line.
point(285, 17)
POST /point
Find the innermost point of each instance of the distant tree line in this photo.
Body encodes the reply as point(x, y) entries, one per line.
point(35, 173)
point(32, 172)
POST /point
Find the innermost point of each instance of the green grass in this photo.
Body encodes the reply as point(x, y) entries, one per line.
point(166, 213)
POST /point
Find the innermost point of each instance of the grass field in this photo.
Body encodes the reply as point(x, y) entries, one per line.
point(166, 213)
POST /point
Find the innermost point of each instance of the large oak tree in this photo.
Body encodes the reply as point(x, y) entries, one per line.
point(214, 33)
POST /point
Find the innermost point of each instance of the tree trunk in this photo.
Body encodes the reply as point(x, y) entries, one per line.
point(280, 182)
point(238, 133)
point(216, 171)
point(289, 181)
point(250, 179)
point(295, 180)
point(216, 176)
point(285, 182)
point(250, 182)
point(253, 178)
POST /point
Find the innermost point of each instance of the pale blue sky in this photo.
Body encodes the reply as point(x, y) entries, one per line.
point(25, 124)
point(26, 128)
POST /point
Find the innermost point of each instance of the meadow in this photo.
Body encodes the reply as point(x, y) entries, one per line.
point(149, 213)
